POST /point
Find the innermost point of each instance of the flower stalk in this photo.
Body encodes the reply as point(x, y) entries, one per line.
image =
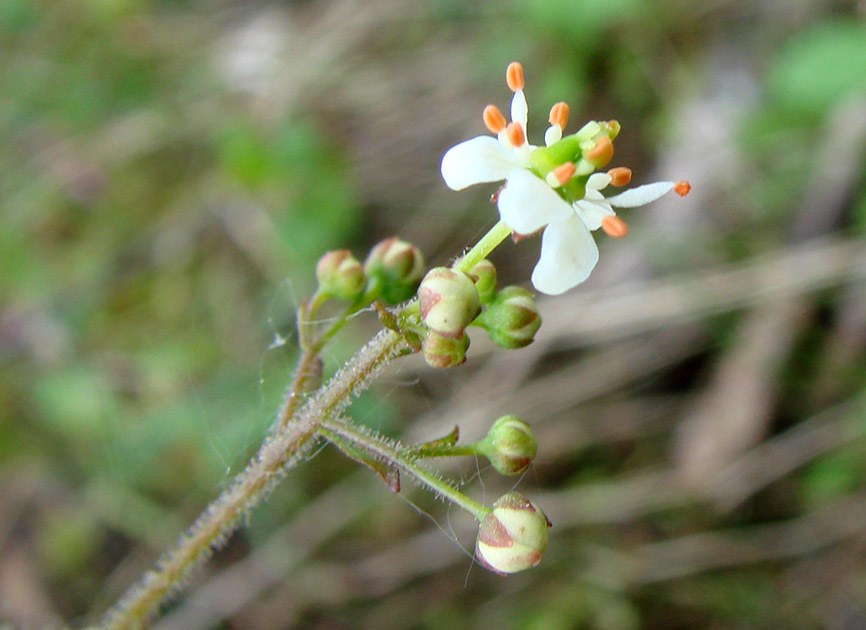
point(484, 247)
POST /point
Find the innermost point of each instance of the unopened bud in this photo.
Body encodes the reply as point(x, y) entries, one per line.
point(448, 301)
point(509, 445)
point(340, 275)
point(442, 352)
point(513, 536)
point(484, 274)
point(512, 319)
point(397, 267)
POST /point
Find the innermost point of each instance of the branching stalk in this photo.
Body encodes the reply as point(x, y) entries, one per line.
point(342, 429)
point(287, 447)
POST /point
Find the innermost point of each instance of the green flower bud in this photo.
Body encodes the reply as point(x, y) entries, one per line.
point(340, 275)
point(444, 352)
point(484, 274)
point(448, 301)
point(397, 267)
point(513, 536)
point(509, 445)
point(512, 319)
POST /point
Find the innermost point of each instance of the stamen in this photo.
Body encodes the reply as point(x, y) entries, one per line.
point(514, 76)
point(613, 226)
point(682, 188)
point(613, 128)
point(619, 176)
point(563, 172)
point(515, 135)
point(493, 119)
point(601, 153)
point(552, 135)
point(559, 114)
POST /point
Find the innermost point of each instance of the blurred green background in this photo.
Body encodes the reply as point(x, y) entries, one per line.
point(171, 171)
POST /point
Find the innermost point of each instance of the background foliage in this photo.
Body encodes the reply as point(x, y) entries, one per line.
point(170, 172)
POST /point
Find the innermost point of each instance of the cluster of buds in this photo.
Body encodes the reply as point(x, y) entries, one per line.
point(512, 536)
point(390, 273)
point(449, 301)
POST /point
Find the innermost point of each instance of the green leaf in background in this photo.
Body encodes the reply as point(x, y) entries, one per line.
point(820, 67)
point(833, 476)
point(581, 20)
point(16, 16)
point(303, 182)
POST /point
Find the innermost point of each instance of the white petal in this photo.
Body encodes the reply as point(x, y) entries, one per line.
point(592, 212)
point(481, 159)
point(598, 181)
point(592, 195)
point(552, 135)
point(568, 256)
point(519, 109)
point(527, 203)
point(641, 195)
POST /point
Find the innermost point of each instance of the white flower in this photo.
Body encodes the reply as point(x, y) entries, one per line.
point(566, 203)
point(568, 250)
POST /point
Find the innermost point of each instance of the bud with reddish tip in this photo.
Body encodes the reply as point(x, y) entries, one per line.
point(448, 301)
point(513, 535)
point(442, 352)
point(340, 275)
point(395, 267)
point(509, 445)
point(484, 274)
point(512, 319)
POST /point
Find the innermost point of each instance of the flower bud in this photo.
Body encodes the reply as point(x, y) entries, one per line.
point(513, 536)
point(484, 274)
point(448, 301)
point(340, 275)
point(512, 319)
point(397, 267)
point(509, 445)
point(444, 352)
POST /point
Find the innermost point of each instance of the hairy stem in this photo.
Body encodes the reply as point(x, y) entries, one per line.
point(340, 429)
point(287, 447)
point(309, 362)
point(482, 248)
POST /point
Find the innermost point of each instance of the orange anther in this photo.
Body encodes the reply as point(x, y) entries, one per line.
point(619, 176)
point(613, 226)
point(514, 76)
point(682, 188)
point(493, 119)
point(563, 172)
point(601, 153)
point(559, 114)
point(515, 135)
